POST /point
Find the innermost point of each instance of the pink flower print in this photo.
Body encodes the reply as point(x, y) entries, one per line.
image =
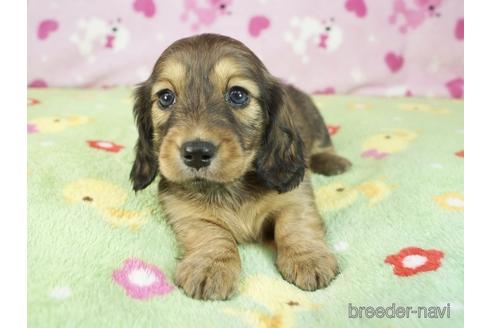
point(32, 128)
point(141, 280)
point(374, 153)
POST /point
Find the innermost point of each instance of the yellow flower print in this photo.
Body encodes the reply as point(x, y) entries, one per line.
point(335, 196)
point(120, 217)
point(107, 198)
point(359, 106)
point(383, 144)
point(281, 300)
point(98, 193)
point(375, 190)
point(57, 124)
point(451, 201)
point(423, 108)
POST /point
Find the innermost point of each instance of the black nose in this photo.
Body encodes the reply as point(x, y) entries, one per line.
point(197, 154)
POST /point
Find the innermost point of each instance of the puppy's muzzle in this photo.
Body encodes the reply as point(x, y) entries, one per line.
point(197, 154)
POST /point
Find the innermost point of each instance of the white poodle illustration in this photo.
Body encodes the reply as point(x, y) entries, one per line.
point(309, 33)
point(96, 34)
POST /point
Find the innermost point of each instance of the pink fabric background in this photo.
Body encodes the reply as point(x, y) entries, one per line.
point(364, 50)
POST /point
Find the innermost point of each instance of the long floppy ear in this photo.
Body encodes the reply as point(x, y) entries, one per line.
point(145, 166)
point(280, 161)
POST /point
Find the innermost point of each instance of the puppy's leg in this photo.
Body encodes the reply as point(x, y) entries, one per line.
point(325, 161)
point(322, 156)
point(211, 265)
point(303, 257)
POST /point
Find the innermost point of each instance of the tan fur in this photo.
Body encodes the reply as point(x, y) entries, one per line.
point(208, 233)
point(225, 70)
point(230, 162)
point(243, 221)
point(170, 71)
point(228, 202)
point(324, 160)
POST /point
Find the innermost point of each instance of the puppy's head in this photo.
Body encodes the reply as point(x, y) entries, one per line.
point(209, 113)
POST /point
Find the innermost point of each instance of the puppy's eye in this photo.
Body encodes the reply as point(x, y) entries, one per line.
point(237, 97)
point(166, 98)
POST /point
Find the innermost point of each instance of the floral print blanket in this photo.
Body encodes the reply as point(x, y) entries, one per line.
point(102, 256)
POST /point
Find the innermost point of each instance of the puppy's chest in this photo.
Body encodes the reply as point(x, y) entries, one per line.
point(246, 222)
point(243, 219)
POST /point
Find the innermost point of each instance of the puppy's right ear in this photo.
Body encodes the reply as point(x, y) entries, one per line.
point(145, 166)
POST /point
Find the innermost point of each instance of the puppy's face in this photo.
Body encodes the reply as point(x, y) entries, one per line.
point(207, 118)
point(208, 113)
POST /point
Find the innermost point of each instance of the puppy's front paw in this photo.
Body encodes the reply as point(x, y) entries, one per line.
point(208, 279)
point(308, 271)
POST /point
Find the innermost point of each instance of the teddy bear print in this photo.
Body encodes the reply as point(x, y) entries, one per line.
point(413, 16)
point(308, 34)
point(381, 145)
point(106, 198)
point(281, 299)
point(55, 124)
point(205, 12)
point(95, 35)
point(336, 196)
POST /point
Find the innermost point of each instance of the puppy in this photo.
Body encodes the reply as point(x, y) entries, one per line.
point(231, 145)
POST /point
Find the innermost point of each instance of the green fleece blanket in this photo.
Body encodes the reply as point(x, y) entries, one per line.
point(101, 256)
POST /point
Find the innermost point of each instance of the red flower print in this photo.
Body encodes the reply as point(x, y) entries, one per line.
point(460, 153)
point(141, 280)
point(32, 101)
point(105, 145)
point(413, 260)
point(333, 129)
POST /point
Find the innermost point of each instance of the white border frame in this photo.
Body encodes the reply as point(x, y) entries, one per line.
point(478, 164)
point(13, 189)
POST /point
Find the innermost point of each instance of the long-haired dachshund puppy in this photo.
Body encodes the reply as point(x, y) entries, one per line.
point(232, 145)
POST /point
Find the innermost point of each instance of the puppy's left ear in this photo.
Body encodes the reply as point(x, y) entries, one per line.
point(145, 166)
point(280, 160)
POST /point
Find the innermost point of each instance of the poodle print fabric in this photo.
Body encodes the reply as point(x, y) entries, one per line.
point(100, 255)
point(371, 47)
